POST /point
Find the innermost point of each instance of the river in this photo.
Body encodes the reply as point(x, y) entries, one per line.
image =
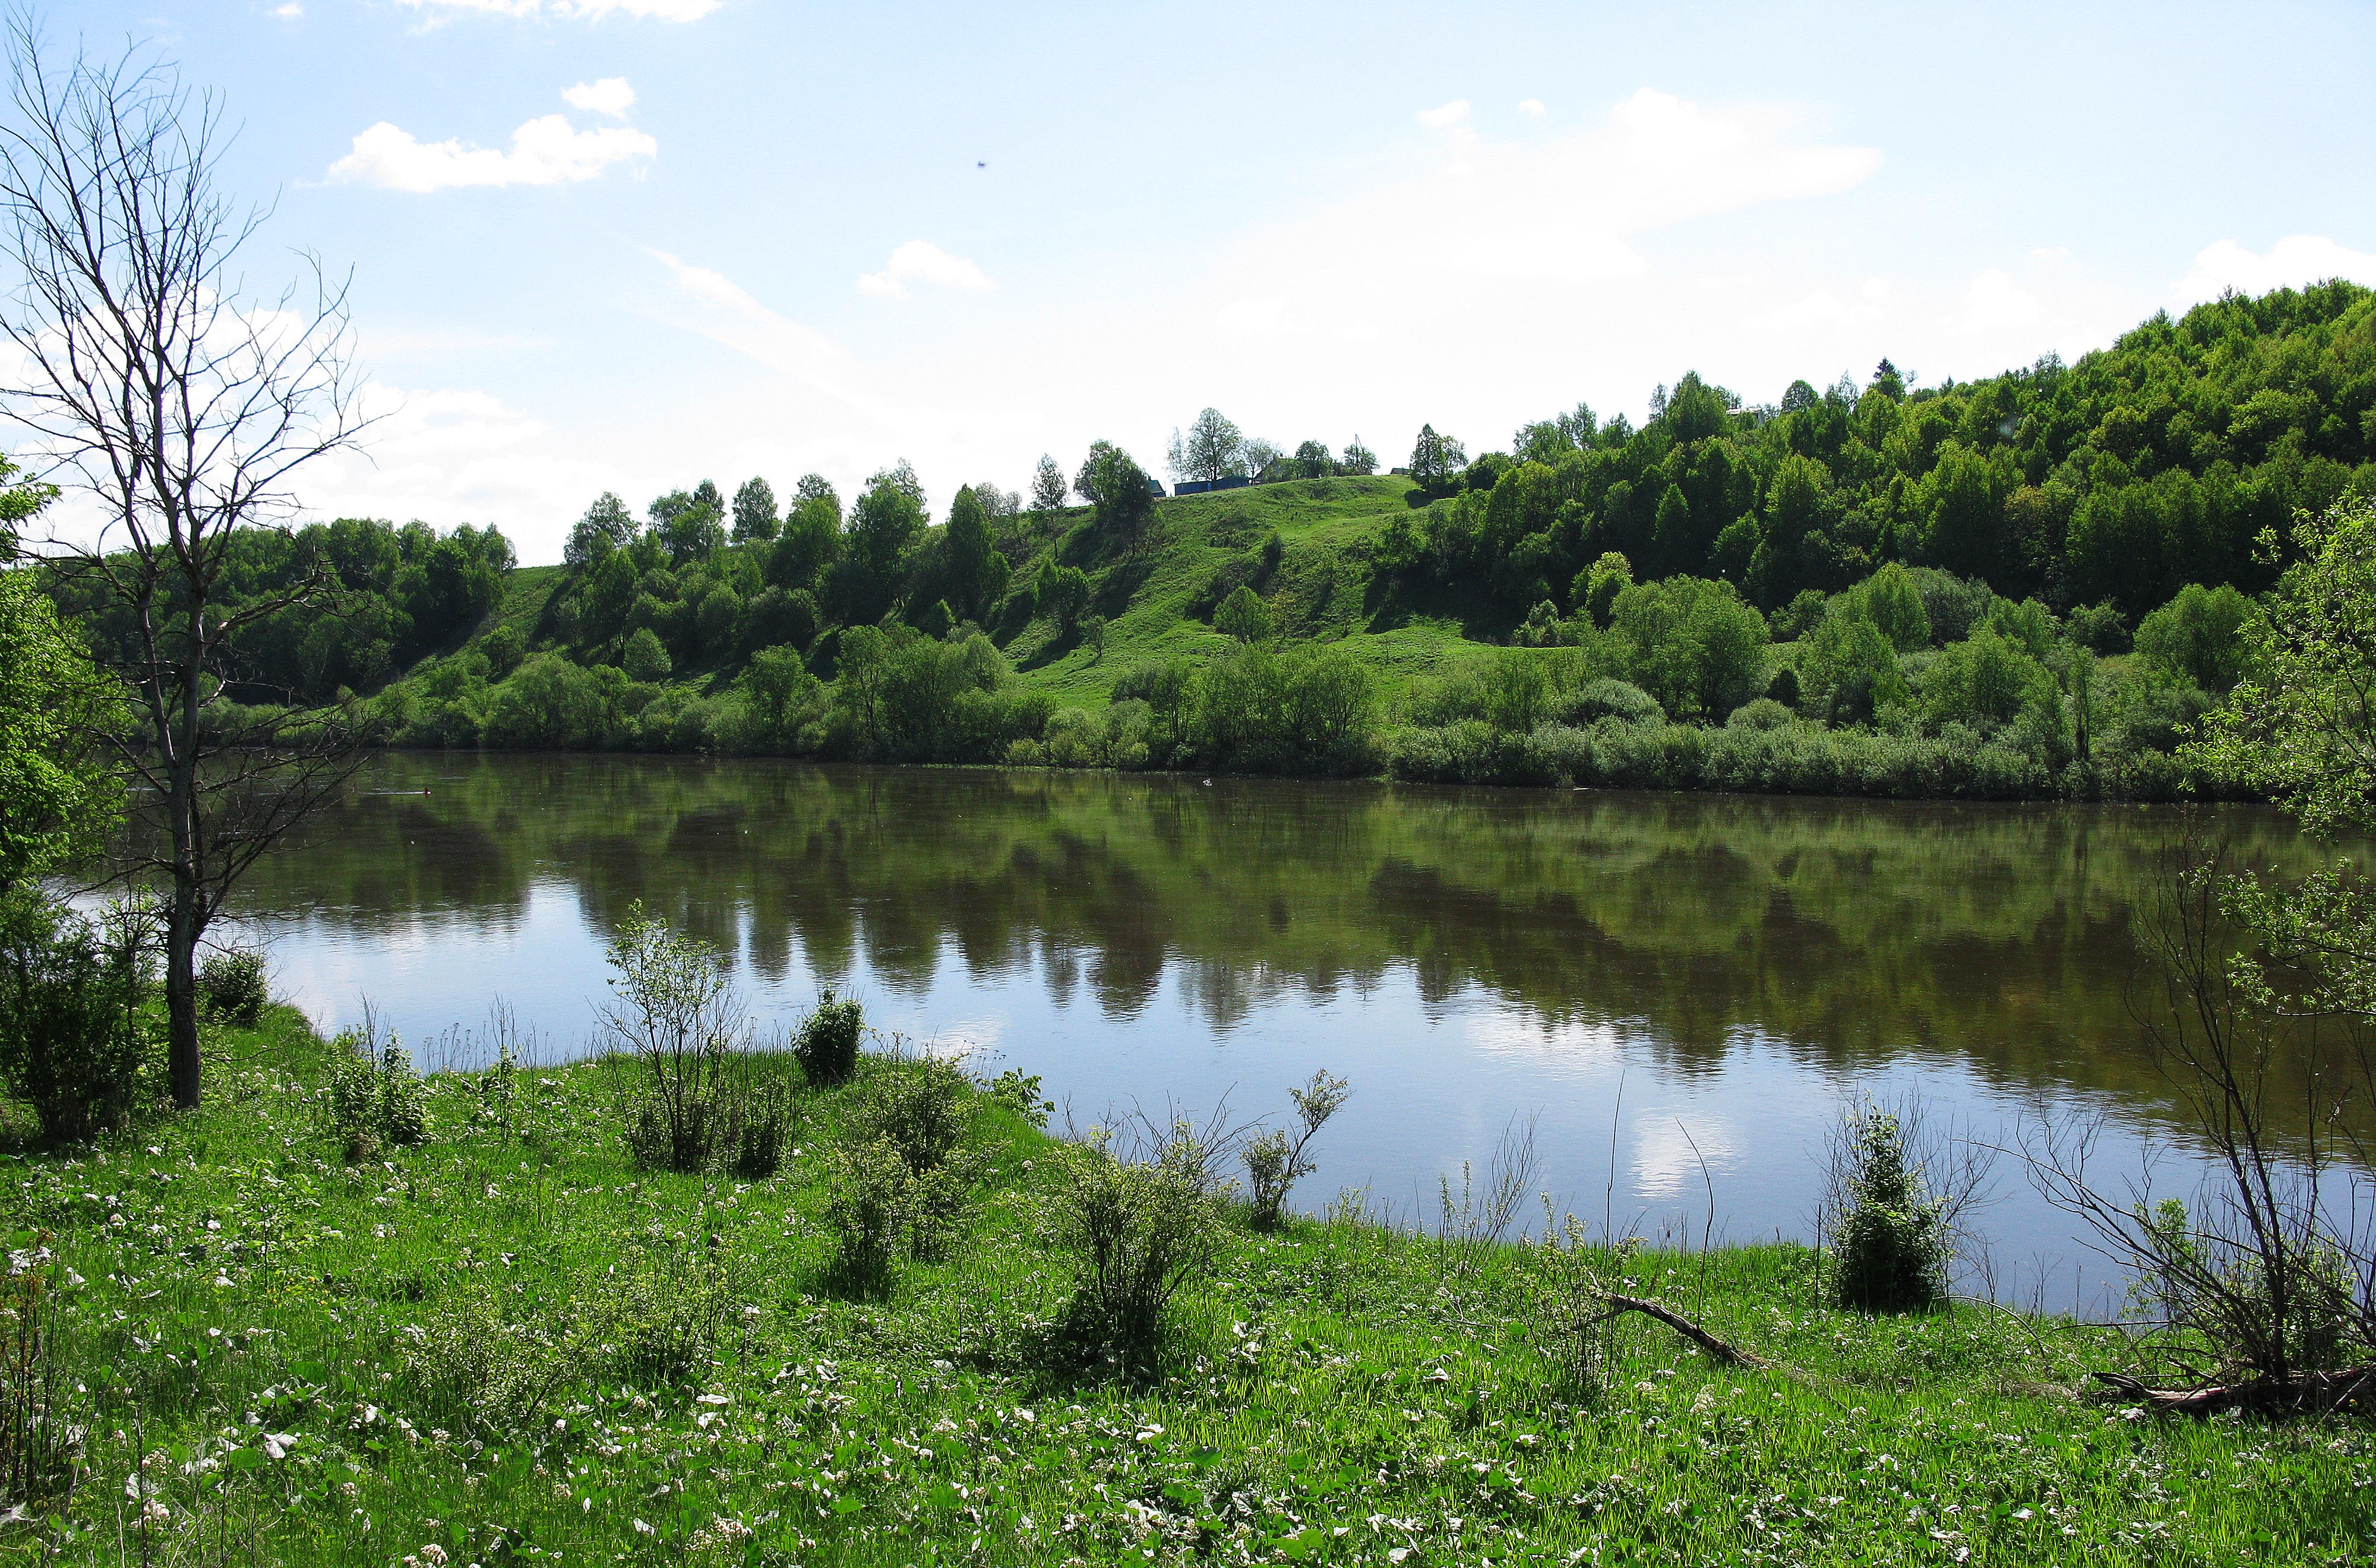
point(1678, 990)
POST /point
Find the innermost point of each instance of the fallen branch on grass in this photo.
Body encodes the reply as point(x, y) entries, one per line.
point(2300, 1394)
point(1724, 1354)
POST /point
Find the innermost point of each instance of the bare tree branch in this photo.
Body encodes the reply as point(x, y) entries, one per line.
point(153, 382)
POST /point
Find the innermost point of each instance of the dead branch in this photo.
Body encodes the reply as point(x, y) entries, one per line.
point(2304, 1392)
point(1724, 1354)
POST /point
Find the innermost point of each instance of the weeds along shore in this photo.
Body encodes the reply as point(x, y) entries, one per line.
point(344, 1314)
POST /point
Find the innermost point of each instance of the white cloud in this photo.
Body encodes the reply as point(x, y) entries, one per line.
point(289, 12)
point(545, 152)
point(453, 454)
point(1994, 303)
point(1453, 114)
point(1532, 108)
point(2290, 263)
point(919, 262)
point(611, 95)
point(1252, 318)
point(573, 10)
point(732, 317)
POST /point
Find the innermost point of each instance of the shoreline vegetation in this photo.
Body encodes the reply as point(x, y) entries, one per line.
point(2029, 587)
point(344, 1313)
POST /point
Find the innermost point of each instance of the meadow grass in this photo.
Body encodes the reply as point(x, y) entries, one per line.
point(506, 1345)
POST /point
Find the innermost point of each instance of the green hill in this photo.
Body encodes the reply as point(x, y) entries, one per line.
point(2023, 585)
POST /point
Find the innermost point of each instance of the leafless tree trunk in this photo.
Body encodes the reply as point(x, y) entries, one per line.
point(151, 381)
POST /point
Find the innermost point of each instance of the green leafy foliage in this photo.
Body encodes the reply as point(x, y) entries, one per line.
point(827, 1044)
point(77, 1026)
point(232, 986)
point(1136, 1232)
point(1890, 1244)
point(374, 1098)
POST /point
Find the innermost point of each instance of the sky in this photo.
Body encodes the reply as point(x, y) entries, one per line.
point(628, 244)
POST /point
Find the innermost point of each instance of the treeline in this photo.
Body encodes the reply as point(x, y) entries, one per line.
point(377, 599)
point(2156, 463)
point(1912, 683)
point(1886, 590)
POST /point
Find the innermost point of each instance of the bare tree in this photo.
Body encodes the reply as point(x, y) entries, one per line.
point(2262, 1279)
point(183, 407)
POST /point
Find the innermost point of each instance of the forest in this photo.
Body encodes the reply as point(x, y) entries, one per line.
point(2025, 587)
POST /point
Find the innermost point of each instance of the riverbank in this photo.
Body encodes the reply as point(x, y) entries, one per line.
point(506, 1344)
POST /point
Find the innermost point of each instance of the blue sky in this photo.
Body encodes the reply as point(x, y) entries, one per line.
point(626, 245)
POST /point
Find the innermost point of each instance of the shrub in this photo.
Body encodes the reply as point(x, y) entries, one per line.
point(762, 1118)
point(1765, 713)
point(1020, 1094)
point(74, 1039)
point(1276, 1161)
point(1890, 1238)
point(232, 986)
point(1610, 699)
point(870, 1205)
point(469, 1360)
point(653, 1318)
point(920, 1107)
point(1138, 1233)
point(645, 659)
point(676, 1014)
point(659, 1318)
point(375, 1097)
point(826, 1045)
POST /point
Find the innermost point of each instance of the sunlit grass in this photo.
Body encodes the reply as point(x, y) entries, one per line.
point(263, 1321)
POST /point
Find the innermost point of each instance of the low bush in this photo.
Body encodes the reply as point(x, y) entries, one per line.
point(74, 1036)
point(676, 1014)
point(232, 986)
point(1019, 1092)
point(657, 1320)
point(921, 1108)
point(1889, 1239)
point(39, 1443)
point(1136, 1232)
point(763, 1120)
point(826, 1045)
point(1276, 1160)
point(651, 1320)
point(374, 1096)
point(869, 1209)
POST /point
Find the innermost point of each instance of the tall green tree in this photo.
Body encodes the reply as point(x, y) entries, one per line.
point(1124, 499)
point(57, 791)
point(1049, 487)
point(755, 512)
point(886, 525)
point(690, 525)
point(811, 537)
point(607, 526)
point(1213, 449)
point(1436, 462)
point(976, 570)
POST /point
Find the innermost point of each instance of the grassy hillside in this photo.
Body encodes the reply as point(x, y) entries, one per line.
point(505, 1344)
point(1884, 589)
point(1324, 588)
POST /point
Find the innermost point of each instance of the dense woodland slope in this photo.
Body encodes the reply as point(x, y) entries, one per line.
point(2024, 585)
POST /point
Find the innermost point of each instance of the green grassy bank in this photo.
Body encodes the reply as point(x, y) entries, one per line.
point(507, 1345)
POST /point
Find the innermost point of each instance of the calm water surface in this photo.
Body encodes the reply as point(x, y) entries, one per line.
point(1737, 966)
